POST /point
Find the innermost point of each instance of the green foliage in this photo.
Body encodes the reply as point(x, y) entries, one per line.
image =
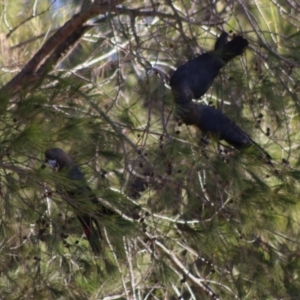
point(208, 221)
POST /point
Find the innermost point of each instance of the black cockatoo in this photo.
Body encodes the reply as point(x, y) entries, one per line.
point(193, 79)
point(79, 195)
point(138, 184)
point(213, 122)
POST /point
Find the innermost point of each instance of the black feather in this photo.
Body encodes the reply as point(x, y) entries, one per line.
point(77, 194)
point(213, 122)
point(193, 79)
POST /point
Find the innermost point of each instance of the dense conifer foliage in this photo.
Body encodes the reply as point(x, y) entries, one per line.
point(189, 214)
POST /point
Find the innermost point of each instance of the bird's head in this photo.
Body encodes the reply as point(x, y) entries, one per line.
point(57, 158)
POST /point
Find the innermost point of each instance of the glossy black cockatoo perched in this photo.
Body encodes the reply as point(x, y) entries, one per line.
point(79, 195)
point(193, 79)
point(213, 122)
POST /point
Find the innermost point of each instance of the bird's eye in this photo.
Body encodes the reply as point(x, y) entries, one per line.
point(52, 163)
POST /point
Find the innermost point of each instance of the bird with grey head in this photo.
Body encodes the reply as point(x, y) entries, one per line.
point(74, 189)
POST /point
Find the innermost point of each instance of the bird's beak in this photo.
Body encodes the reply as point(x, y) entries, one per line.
point(52, 163)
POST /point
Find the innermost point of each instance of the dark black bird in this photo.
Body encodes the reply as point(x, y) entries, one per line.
point(213, 122)
point(76, 191)
point(138, 184)
point(193, 79)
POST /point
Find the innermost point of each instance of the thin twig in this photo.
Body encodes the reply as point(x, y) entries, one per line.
point(28, 73)
point(117, 263)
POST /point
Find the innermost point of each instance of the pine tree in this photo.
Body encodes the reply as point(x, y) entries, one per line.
point(194, 218)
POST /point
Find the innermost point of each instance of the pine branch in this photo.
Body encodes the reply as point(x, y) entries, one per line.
point(63, 49)
point(174, 259)
point(29, 72)
point(117, 263)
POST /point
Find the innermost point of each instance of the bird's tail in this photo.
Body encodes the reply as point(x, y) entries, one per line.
point(230, 50)
point(92, 231)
